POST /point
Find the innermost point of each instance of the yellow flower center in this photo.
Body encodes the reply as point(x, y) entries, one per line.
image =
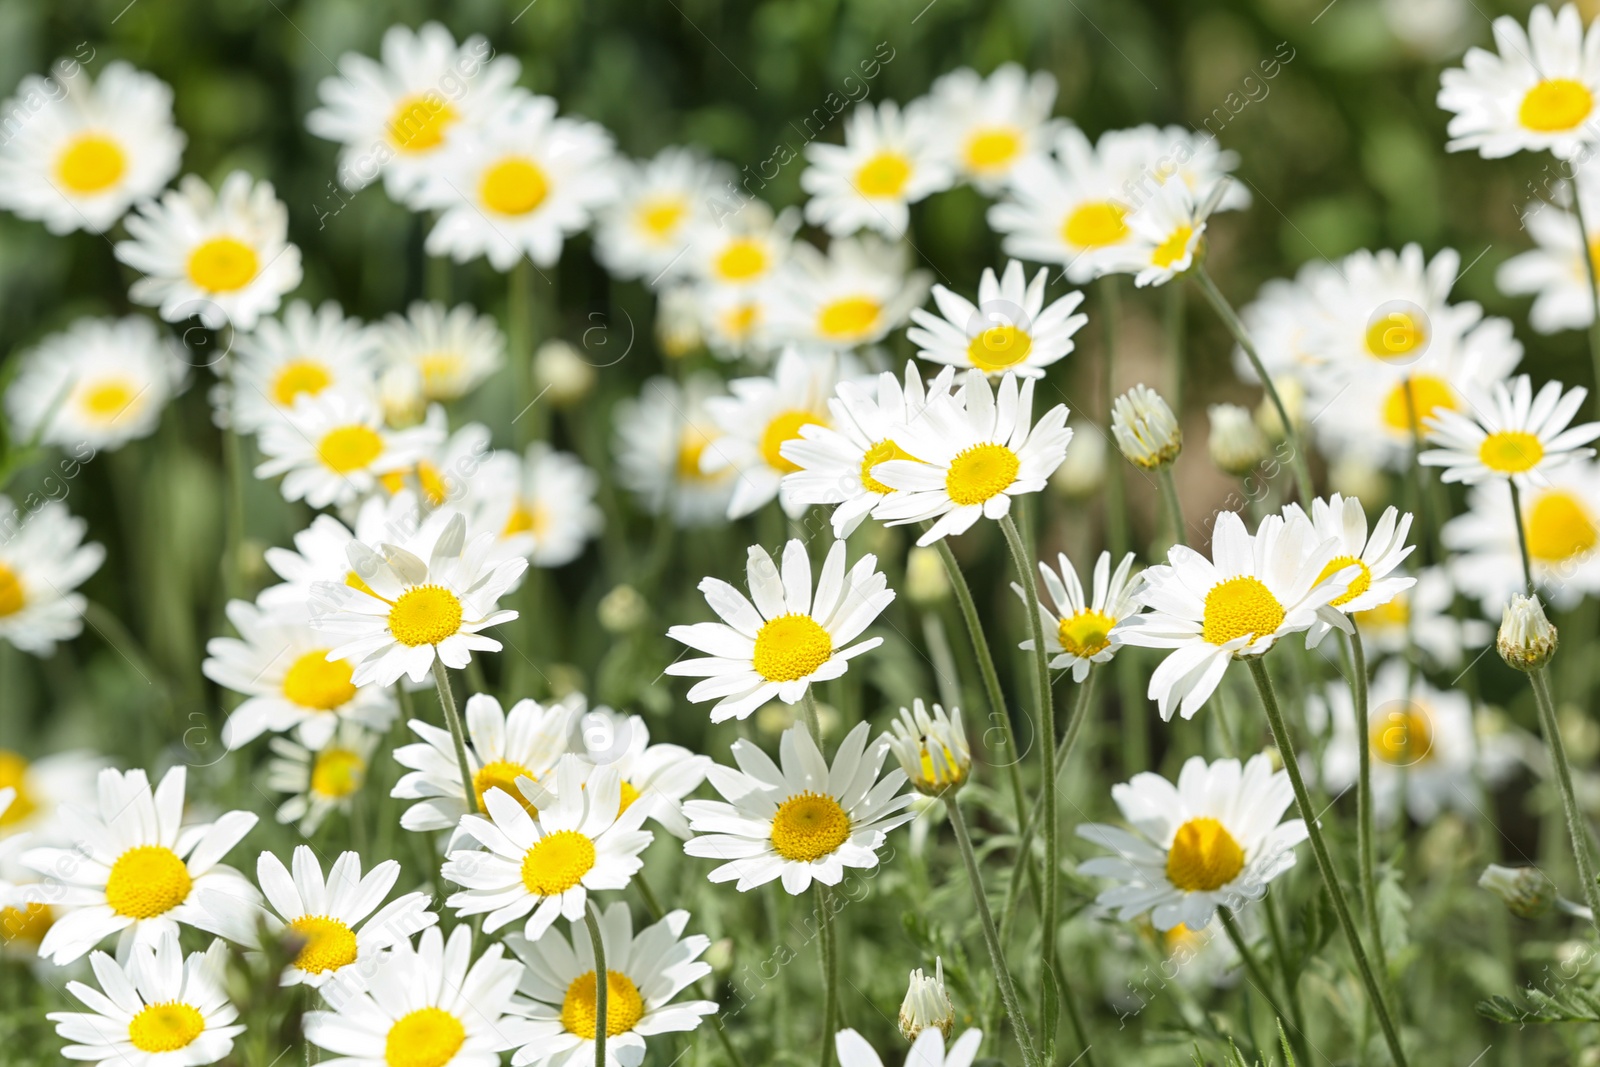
point(419, 122)
point(165, 1027)
point(884, 175)
point(503, 774)
point(1428, 395)
point(1396, 334)
point(106, 400)
point(514, 186)
point(624, 1005)
point(849, 318)
point(440, 371)
point(742, 259)
point(1182, 939)
point(993, 148)
point(739, 322)
point(329, 944)
point(1240, 606)
point(337, 772)
point(91, 164)
point(628, 795)
point(315, 681)
point(1086, 633)
point(1203, 857)
point(1560, 527)
point(12, 596)
point(882, 452)
point(1359, 585)
point(146, 881)
point(935, 774)
point(999, 347)
point(425, 615)
point(1555, 105)
point(557, 862)
point(1393, 615)
point(1511, 451)
point(426, 1037)
point(809, 826)
point(223, 265)
point(298, 378)
point(785, 426)
point(791, 647)
point(1174, 248)
point(349, 448)
point(660, 217)
point(1096, 224)
point(691, 446)
point(27, 924)
point(1403, 737)
point(521, 520)
point(13, 768)
point(979, 472)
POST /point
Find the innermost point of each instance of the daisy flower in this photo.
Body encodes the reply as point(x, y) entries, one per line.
point(430, 1004)
point(450, 470)
point(660, 441)
point(39, 788)
point(1255, 589)
point(660, 208)
point(986, 127)
point(157, 1009)
point(1556, 271)
point(740, 250)
point(972, 457)
point(405, 113)
point(1283, 322)
point(453, 350)
point(1164, 236)
point(318, 782)
point(520, 184)
point(777, 647)
point(223, 257)
point(799, 819)
point(333, 448)
point(733, 323)
point(414, 610)
point(1537, 92)
point(94, 147)
point(852, 296)
point(301, 355)
point(1009, 329)
point(136, 870)
point(644, 972)
point(42, 560)
point(659, 776)
point(1082, 631)
point(928, 1050)
point(1375, 556)
point(835, 461)
point(319, 550)
point(931, 748)
point(889, 160)
point(1178, 159)
point(545, 865)
point(545, 494)
point(1516, 434)
point(501, 749)
point(100, 383)
point(1421, 616)
point(1215, 839)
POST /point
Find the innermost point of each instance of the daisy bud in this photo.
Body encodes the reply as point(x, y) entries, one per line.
point(720, 955)
point(1236, 444)
point(1357, 476)
point(926, 582)
point(1084, 470)
point(401, 396)
point(622, 610)
point(678, 321)
point(932, 749)
point(560, 369)
point(1293, 395)
point(926, 1004)
point(1145, 429)
point(1527, 639)
point(1527, 892)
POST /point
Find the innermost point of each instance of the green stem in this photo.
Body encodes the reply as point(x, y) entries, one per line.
point(1319, 848)
point(945, 678)
point(1576, 829)
point(1291, 983)
point(1594, 291)
point(1116, 488)
point(1365, 837)
point(1522, 536)
point(1172, 314)
point(1258, 975)
point(519, 330)
point(813, 721)
point(452, 719)
point(830, 971)
point(734, 1058)
point(602, 983)
point(1169, 494)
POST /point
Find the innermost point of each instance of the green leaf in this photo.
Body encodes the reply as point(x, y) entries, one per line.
point(1394, 913)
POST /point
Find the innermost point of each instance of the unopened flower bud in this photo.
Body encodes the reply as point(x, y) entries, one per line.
point(1527, 892)
point(562, 372)
point(1527, 640)
point(622, 610)
point(1293, 395)
point(927, 1004)
point(1145, 429)
point(678, 321)
point(926, 581)
point(1236, 444)
point(931, 748)
point(1083, 471)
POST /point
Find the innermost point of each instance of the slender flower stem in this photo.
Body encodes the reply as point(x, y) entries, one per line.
point(602, 984)
point(1569, 799)
point(1169, 493)
point(997, 960)
point(452, 719)
point(1291, 984)
point(1364, 828)
point(1522, 536)
point(1258, 975)
point(1594, 289)
point(830, 971)
point(734, 1058)
point(1116, 488)
point(808, 709)
point(1172, 319)
point(1319, 848)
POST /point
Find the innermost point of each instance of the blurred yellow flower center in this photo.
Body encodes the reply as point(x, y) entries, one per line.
point(429, 479)
point(742, 259)
point(419, 122)
point(785, 426)
point(92, 163)
point(349, 448)
point(1358, 585)
point(427, 1037)
point(1404, 736)
point(337, 773)
point(503, 774)
point(12, 596)
point(315, 681)
point(882, 452)
point(298, 378)
point(1404, 413)
point(165, 1027)
point(1555, 105)
point(1086, 633)
point(1560, 527)
point(884, 175)
point(993, 148)
point(440, 371)
point(146, 881)
point(329, 944)
point(999, 347)
point(809, 826)
point(1396, 334)
point(849, 318)
point(691, 446)
point(13, 768)
point(425, 615)
point(1396, 613)
point(980, 472)
point(1181, 939)
point(791, 647)
point(223, 265)
point(624, 1005)
point(1095, 224)
point(1240, 606)
point(27, 924)
point(525, 519)
point(1174, 248)
point(738, 322)
point(1511, 451)
point(660, 217)
point(1203, 856)
point(557, 862)
point(107, 399)
point(628, 795)
point(514, 186)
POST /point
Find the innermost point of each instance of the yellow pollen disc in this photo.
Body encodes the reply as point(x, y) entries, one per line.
point(1396, 334)
point(809, 826)
point(329, 944)
point(106, 400)
point(980, 472)
point(791, 647)
point(628, 796)
point(1086, 633)
point(315, 681)
point(425, 615)
point(298, 378)
point(427, 1037)
point(1428, 395)
point(337, 772)
point(1403, 737)
point(514, 186)
point(740, 321)
point(12, 600)
point(624, 1005)
point(557, 862)
point(1095, 225)
point(1174, 248)
point(521, 520)
point(503, 774)
point(993, 149)
point(1594, 259)
point(1240, 606)
point(439, 371)
point(849, 318)
point(1555, 105)
point(882, 452)
point(744, 258)
point(1560, 527)
point(27, 924)
point(1182, 939)
point(349, 448)
point(785, 426)
point(1203, 856)
point(419, 123)
point(999, 347)
point(13, 768)
point(691, 446)
point(146, 881)
point(1361, 584)
point(1511, 451)
point(884, 175)
point(659, 218)
point(91, 164)
point(165, 1027)
point(223, 265)
point(1393, 615)
point(355, 581)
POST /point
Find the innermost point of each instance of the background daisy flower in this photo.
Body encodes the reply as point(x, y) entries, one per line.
point(660, 440)
point(659, 776)
point(453, 350)
point(1164, 235)
point(928, 1050)
point(42, 561)
point(319, 550)
point(1376, 557)
point(41, 787)
point(1009, 329)
point(1422, 616)
point(302, 354)
point(986, 127)
point(742, 249)
point(853, 295)
point(888, 161)
point(659, 210)
point(319, 782)
point(545, 495)
point(1514, 434)
point(331, 449)
point(1556, 271)
point(1081, 631)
